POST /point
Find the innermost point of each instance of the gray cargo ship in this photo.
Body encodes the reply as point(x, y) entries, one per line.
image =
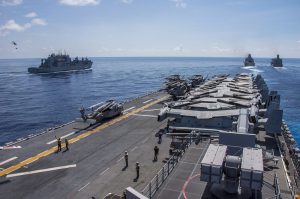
point(61, 63)
point(220, 138)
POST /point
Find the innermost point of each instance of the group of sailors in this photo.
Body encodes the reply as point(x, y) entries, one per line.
point(137, 164)
point(59, 144)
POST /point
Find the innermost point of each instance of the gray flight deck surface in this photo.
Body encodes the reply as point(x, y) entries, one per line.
point(98, 157)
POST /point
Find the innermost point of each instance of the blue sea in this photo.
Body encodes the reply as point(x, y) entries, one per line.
point(30, 103)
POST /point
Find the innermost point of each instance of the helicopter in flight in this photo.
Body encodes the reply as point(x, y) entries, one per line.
point(15, 45)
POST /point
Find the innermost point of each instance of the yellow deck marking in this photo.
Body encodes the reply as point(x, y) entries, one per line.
point(77, 138)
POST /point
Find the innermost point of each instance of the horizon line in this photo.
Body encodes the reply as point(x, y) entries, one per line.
point(155, 57)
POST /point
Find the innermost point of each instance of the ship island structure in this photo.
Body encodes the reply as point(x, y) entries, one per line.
point(218, 137)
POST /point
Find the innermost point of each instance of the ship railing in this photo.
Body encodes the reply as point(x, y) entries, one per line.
point(165, 171)
point(277, 187)
point(294, 155)
point(273, 186)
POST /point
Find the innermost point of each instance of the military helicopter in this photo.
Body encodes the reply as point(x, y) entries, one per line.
point(102, 111)
point(15, 45)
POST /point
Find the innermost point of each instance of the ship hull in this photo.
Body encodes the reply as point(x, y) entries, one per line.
point(276, 63)
point(39, 70)
point(249, 64)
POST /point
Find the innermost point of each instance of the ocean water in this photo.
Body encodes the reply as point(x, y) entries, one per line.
point(30, 103)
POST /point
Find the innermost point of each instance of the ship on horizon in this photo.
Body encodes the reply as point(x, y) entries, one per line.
point(61, 63)
point(249, 61)
point(277, 62)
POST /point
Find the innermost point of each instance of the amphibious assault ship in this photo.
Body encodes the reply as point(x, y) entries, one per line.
point(249, 61)
point(61, 63)
point(222, 137)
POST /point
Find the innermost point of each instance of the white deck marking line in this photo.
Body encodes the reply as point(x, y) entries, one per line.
point(145, 115)
point(64, 136)
point(134, 148)
point(8, 160)
point(128, 109)
point(104, 171)
point(40, 171)
point(120, 159)
point(84, 186)
point(145, 140)
point(147, 101)
point(148, 110)
point(10, 147)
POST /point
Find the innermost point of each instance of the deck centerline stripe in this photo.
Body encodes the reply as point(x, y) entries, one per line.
point(40, 171)
point(77, 138)
point(134, 148)
point(8, 160)
point(84, 186)
point(104, 171)
point(120, 159)
point(128, 109)
point(64, 136)
point(147, 101)
point(145, 140)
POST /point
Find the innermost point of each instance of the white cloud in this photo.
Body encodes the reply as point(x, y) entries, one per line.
point(298, 41)
point(38, 22)
point(11, 26)
point(31, 15)
point(127, 1)
point(79, 2)
point(178, 48)
point(179, 3)
point(11, 2)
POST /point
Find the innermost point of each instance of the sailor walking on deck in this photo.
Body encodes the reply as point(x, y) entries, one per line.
point(67, 144)
point(156, 150)
point(58, 144)
point(126, 159)
point(159, 137)
point(137, 168)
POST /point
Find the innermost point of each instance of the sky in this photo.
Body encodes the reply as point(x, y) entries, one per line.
point(108, 28)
